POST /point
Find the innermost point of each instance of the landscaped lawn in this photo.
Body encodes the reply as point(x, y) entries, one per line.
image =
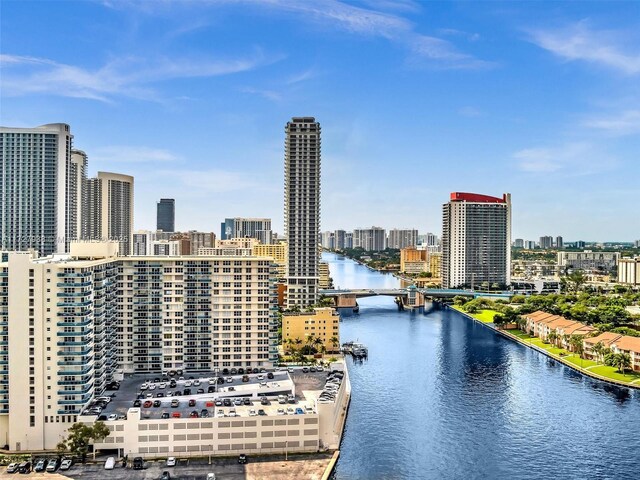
point(485, 316)
point(612, 372)
point(576, 361)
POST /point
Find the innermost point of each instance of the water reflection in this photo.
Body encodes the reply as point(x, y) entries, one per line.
point(441, 397)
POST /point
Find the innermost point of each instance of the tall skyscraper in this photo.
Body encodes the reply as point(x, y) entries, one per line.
point(302, 209)
point(339, 236)
point(109, 209)
point(38, 187)
point(166, 215)
point(240, 227)
point(559, 242)
point(546, 242)
point(476, 240)
point(78, 184)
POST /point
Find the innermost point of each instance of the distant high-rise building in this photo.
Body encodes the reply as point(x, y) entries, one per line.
point(39, 207)
point(166, 215)
point(142, 242)
point(546, 242)
point(529, 245)
point(402, 238)
point(559, 242)
point(78, 183)
point(328, 240)
point(109, 210)
point(519, 243)
point(580, 244)
point(476, 240)
point(348, 240)
point(240, 227)
point(372, 239)
point(302, 209)
point(339, 239)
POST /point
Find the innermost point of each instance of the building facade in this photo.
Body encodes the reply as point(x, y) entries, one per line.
point(400, 239)
point(323, 323)
point(476, 240)
point(546, 242)
point(240, 227)
point(276, 251)
point(302, 209)
point(588, 261)
point(413, 260)
point(629, 271)
point(166, 215)
point(109, 210)
point(372, 239)
point(59, 321)
point(39, 207)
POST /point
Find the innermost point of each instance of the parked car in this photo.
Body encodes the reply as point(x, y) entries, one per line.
point(165, 476)
point(176, 415)
point(136, 403)
point(196, 382)
point(112, 417)
point(252, 412)
point(229, 379)
point(218, 402)
point(237, 402)
point(312, 369)
point(147, 404)
point(171, 462)
point(110, 463)
point(52, 465)
point(194, 414)
point(246, 401)
point(211, 476)
point(305, 369)
point(234, 371)
point(164, 415)
point(24, 467)
point(211, 389)
point(188, 383)
point(264, 401)
point(281, 411)
point(227, 402)
point(241, 371)
point(175, 403)
point(192, 403)
point(12, 468)
point(282, 399)
point(319, 368)
point(200, 390)
point(187, 391)
point(270, 375)
point(245, 378)
point(204, 413)
point(242, 459)
point(299, 411)
point(138, 463)
point(40, 465)
point(66, 464)
point(261, 412)
point(157, 403)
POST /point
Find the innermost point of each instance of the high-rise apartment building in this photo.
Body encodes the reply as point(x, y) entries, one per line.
point(240, 227)
point(39, 207)
point(559, 242)
point(372, 239)
point(546, 242)
point(302, 209)
point(476, 240)
point(328, 240)
point(142, 242)
point(518, 243)
point(348, 240)
point(78, 170)
point(70, 321)
point(59, 350)
point(166, 215)
point(339, 239)
point(402, 238)
point(109, 210)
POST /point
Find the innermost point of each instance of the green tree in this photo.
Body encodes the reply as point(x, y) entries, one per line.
point(577, 345)
point(80, 437)
point(573, 281)
point(553, 337)
point(335, 342)
point(620, 360)
point(598, 349)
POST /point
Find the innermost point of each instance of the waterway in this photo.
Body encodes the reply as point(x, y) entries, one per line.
point(442, 397)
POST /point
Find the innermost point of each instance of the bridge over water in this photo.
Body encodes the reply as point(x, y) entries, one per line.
point(411, 296)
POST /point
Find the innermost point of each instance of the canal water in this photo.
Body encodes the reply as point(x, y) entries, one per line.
point(442, 397)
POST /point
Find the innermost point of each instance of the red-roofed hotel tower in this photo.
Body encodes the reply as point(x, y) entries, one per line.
point(476, 240)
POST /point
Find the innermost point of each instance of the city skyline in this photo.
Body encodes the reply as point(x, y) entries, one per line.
point(487, 102)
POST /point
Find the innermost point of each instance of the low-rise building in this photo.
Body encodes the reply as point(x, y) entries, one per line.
point(588, 260)
point(323, 323)
point(413, 261)
point(605, 338)
point(629, 345)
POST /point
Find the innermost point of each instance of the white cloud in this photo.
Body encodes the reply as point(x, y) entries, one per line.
point(132, 154)
point(580, 42)
point(268, 94)
point(622, 123)
point(572, 159)
point(127, 76)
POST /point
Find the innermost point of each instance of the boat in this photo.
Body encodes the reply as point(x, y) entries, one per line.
point(358, 350)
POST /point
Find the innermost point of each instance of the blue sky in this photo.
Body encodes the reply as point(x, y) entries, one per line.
point(416, 99)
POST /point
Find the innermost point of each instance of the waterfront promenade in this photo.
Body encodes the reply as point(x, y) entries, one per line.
point(586, 367)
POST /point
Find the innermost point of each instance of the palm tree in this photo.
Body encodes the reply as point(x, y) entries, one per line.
point(335, 342)
point(317, 342)
point(552, 337)
point(622, 361)
point(597, 350)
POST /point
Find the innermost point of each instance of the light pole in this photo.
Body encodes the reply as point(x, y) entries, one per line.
point(286, 446)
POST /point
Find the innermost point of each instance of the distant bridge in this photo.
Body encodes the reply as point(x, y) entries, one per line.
point(411, 296)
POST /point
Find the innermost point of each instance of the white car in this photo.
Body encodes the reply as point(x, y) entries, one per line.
point(212, 381)
point(252, 412)
point(66, 464)
point(281, 411)
point(196, 382)
point(232, 413)
point(103, 399)
point(291, 411)
point(229, 379)
point(112, 417)
point(211, 476)
point(260, 377)
point(188, 383)
point(144, 386)
point(319, 368)
point(162, 385)
point(220, 414)
point(152, 386)
point(171, 462)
